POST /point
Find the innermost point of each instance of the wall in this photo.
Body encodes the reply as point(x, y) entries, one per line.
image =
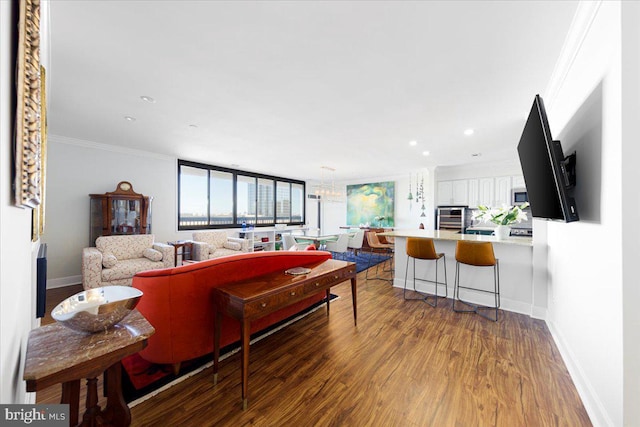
point(585, 259)
point(17, 252)
point(407, 215)
point(630, 206)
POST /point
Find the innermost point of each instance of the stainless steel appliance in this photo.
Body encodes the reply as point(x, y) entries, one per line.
point(519, 196)
point(453, 218)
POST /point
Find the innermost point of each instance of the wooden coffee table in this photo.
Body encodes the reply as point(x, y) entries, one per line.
point(252, 299)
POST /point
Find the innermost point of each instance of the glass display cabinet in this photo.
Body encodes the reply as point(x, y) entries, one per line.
point(122, 211)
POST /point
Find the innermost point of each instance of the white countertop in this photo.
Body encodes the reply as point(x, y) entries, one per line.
point(454, 236)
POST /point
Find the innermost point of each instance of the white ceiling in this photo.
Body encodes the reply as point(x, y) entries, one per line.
point(285, 88)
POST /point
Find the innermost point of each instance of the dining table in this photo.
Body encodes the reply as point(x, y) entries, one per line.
point(318, 240)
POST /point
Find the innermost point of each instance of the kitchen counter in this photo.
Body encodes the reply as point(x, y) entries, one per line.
point(515, 255)
point(455, 236)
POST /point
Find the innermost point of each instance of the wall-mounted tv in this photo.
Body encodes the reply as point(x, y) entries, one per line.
point(548, 174)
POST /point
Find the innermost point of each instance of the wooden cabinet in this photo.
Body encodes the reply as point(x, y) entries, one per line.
point(122, 211)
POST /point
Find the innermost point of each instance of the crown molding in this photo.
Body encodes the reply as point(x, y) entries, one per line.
point(106, 147)
point(579, 29)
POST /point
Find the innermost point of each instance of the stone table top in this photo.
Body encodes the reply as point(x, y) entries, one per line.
point(56, 354)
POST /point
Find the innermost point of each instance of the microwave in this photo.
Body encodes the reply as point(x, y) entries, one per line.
point(519, 196)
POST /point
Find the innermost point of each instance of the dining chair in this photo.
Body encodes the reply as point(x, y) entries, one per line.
point(355, 241)
point(338, 247)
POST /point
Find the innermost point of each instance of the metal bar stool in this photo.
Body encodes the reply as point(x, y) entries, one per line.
point(374, 245)
point(422, 248)
point(477, 254)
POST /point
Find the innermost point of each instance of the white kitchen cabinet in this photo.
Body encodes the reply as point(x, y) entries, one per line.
point(453, 192)
point(445, 193)
point(502, 191)
point(473, 193)
point(485, 191)
point(461, 192)
point(517, 182)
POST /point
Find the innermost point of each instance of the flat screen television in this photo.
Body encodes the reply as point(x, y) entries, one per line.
point(548, 174)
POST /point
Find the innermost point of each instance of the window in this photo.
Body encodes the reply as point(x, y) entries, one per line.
point(283, 202)
point(215, 197)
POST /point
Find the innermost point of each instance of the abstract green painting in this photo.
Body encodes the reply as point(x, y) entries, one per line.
point(370, 204)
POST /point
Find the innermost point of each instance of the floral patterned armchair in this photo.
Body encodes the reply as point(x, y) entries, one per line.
point(214, 244)
point(116, 259)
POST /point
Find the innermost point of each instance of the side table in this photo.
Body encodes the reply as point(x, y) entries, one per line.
point(56, 354)
point(182, 248)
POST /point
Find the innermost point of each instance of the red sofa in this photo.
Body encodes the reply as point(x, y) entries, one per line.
point(178, 301)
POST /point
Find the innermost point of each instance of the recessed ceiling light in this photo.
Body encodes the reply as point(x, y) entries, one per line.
point(425, 153)
point(130, 118)
point(148, 99)
point(413, 143)
point(476, 154)
point(193, 126)
point(468, 132)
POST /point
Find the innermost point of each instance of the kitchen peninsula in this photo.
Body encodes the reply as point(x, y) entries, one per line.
point(515, 255)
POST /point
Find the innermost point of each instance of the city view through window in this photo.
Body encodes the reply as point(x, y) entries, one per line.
point(206, 198)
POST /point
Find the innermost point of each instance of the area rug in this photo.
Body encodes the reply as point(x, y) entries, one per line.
point(142, 379)
point(362, 259)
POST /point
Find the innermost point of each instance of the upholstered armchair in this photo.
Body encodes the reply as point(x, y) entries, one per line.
point(214, 244)
point(116, 259)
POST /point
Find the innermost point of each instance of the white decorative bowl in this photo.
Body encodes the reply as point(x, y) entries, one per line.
point(96, 309)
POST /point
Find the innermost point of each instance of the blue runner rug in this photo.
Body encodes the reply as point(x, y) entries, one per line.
point(362, 259)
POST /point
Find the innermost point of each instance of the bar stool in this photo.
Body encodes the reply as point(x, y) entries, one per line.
point(477, 254)
point(424, 249)
point(374, 245)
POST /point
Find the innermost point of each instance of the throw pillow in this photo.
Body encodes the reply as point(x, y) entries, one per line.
point(233, 245)
point(109, 260)
point(152, 254)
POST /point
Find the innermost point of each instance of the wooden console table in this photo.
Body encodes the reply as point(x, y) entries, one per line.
point(257, 297)
point(56, 354)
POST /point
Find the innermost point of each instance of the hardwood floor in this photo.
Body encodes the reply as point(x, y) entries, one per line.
point(405, 364)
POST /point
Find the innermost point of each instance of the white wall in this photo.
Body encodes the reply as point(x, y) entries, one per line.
point(630, 206)
point(407, 215)
point(17, 252)
point(585, 259)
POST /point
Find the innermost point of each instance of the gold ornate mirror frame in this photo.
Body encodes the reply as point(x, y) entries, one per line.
point(28, 155)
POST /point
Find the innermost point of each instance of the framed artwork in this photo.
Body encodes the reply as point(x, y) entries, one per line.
point(37, 221)
point(371, 204)
point(29, 107)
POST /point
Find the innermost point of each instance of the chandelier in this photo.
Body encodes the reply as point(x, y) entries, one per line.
point(327, 191)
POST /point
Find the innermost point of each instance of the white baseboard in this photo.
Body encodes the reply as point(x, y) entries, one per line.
point(64, 281)
point(593, 405)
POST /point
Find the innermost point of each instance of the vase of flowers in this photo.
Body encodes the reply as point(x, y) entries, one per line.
point(503, 217)
point(380, 220)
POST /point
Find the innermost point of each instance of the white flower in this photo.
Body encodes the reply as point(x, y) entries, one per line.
point(505, 215)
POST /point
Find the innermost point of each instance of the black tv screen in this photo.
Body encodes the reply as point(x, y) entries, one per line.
point(545, 169)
